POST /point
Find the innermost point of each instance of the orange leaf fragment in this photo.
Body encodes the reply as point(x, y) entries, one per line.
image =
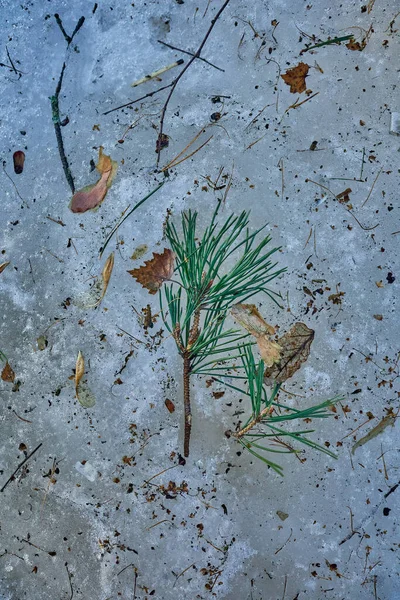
point(7, 373)
point(296, 78)
point(155, 271)
point(92, 196)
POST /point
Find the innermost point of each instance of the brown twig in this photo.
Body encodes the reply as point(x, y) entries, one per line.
point(185, 68)
point(11, 478)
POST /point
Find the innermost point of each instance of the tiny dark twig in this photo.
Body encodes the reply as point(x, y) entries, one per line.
point(149, 95)
point(191, 54)
point(19, 466)
point(16, 71)
point(55, 108)
point(185, 68)
point(69, 38)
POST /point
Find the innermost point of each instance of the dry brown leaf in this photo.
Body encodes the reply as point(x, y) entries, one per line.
point(7, 373)
point(106, 273)
point(93, 297)
point(83, 393)
point(249, 317)
point(170, 405)
point(295, 349)
point(296, 78)
point(155, 271)
point(92, 196)
point(3, 266)
point(79, 371)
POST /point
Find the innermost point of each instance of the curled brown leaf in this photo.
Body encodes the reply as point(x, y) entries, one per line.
point(296, 78)
point(92, 196)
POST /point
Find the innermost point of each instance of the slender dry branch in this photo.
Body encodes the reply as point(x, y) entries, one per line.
point(190, 54)
point(186, 67)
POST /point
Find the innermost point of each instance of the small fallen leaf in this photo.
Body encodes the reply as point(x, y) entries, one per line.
point(296, 78)
point(42, 342)
point(378, 317)
point(7, 373)
point(139, 252)
point(385, 422)
point(79, 370)
point(155, 271)
point(3, 266)
point(95, 295)
point(379, 284)
point(249, 317)
point(170, 405)
point(83, 393)
point(295, 349)
point(92, 196)
point(282, 515)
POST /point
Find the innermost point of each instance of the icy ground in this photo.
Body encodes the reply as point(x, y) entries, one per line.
point(81, 519)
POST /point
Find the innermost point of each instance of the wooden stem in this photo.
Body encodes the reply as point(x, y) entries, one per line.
point(186, 401)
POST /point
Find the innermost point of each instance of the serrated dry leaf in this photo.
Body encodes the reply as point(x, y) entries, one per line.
point(83, 393)
point(7, 373)
point(92, 196)
point(155, 271)
point(249, 317)
point(296, 78)
point(295, 349)
point(3, 266)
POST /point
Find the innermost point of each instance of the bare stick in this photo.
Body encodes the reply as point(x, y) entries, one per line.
point(191, 54)
point(149, 95)
point(179, 77)
point(19, 466)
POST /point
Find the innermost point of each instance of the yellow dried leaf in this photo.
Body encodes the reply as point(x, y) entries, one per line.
point(106, 273)
point(3, 266)
point(249, 317)
point(79, 371)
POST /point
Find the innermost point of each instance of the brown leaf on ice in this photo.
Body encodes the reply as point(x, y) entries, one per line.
point(170, 405)
point(295, 349)
point(7, 373)
point(155, 271)
point(3, 266)
point(79, 371)
point(296, 78)
point(95, 295)
point(92, 196)
point(249, 317)
point(83, 393)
